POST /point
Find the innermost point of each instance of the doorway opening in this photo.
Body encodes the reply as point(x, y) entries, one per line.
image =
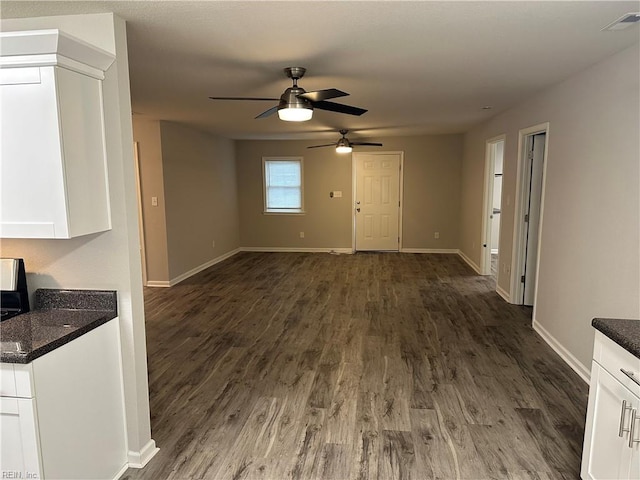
point(491, 213)
point(377, 207)
point(532, 160)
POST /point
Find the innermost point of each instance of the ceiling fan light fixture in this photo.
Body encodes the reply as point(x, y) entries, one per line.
point(295, 114)
point(292, 108)
point(343, 145)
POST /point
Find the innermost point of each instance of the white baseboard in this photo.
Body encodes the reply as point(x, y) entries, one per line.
point(430, 250)
point(296, 250)
point(158, 284)
point(141, 458)
point(565, 354)
point(202, 267)
point(469, 262)
point(121, 472)
point(503, 293)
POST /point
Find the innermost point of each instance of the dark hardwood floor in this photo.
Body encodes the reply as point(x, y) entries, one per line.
point(366, 366)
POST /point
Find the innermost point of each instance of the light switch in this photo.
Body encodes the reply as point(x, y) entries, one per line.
point(154, 201)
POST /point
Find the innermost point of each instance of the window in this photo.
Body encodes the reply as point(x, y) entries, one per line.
point(283, 185)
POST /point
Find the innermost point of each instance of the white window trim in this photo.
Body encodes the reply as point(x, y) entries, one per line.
point(282, 211)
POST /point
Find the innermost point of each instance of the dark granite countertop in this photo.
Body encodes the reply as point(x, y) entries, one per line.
point(625, 333)
point(59, 316)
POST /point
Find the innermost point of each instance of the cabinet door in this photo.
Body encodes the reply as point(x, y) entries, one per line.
point(54, 175)
point(19, 455)
point(606, 454)
point(634, 463)
point(32, 194)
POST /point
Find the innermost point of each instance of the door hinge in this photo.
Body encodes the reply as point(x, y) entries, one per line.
point(522, 279)
point(526, 218)
point(530, 155)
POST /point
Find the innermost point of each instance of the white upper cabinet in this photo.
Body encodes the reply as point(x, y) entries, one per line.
point(53, 169)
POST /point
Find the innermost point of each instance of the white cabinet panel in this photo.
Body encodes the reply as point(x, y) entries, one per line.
point(7, 380)
point(80, 407)
point(19, 454)
point(634, 462)
point(609, 455)
point(53, 159)
point(614, 403)
point(52, 148)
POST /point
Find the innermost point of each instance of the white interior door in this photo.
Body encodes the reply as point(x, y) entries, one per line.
point(532, 217)
point(491, 206)
point(377, 201)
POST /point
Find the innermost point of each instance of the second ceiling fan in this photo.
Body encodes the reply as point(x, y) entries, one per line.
point(344, 145)
point(296, 104)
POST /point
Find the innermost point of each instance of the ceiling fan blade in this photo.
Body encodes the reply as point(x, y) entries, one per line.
point(366, 143)
point(325, 145)
point(268, 113)
point(319, 95)
point(338, 107)
point(246, 98)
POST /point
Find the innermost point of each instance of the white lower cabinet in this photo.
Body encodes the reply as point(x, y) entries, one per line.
point(19, 459)
point(62, 415)
point(612, 431)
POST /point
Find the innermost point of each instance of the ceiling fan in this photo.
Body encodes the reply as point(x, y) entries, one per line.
point(344, 145)
point(296, 104)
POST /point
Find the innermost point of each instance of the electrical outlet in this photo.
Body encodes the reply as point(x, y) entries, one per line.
point(154, 201)
point(436, 235)
point(301, 234)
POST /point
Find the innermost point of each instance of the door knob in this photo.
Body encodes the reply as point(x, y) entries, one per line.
point(358, 209)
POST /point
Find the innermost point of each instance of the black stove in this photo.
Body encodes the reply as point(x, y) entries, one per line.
point(14, 297)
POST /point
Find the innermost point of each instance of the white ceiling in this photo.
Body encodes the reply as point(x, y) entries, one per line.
point(418, 67)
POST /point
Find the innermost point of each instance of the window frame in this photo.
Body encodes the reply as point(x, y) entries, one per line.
point(282, 211)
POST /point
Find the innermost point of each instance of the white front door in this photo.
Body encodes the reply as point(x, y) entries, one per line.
point(377, 201)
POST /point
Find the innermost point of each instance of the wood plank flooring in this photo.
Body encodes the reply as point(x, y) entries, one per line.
point(354, 367)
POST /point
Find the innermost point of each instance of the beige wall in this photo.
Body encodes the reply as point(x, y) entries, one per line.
point(432, 173)
point(108, 260)
point(201, 200)
point(589, 254)
point(432, 169)
point(327, 221)
point(147, 134)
